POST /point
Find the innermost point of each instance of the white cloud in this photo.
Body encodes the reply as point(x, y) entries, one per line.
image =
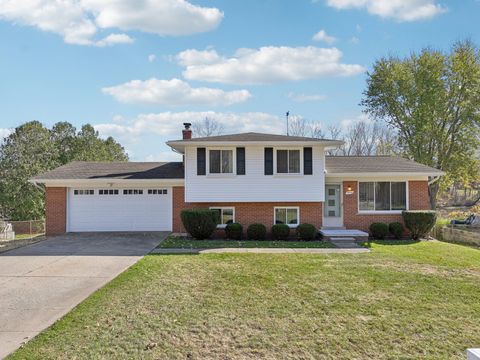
point(348, 122)
point(306, 97)
point(354, 40)
point(152, 58)
point(113, 39)
point(265, 65)
point(173, 92)
point(78, 21)
point(4, 133)
point(400, 10)
point(164, 156)
point(323, 36)
point(169, 124)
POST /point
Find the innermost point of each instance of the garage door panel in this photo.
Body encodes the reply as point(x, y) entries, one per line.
point(145, 212)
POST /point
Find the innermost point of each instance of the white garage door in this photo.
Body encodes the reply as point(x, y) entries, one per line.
point(115, 209)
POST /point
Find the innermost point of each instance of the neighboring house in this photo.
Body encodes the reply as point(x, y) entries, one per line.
point(248, 177)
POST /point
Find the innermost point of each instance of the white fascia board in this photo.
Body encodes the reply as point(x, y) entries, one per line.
point(377, 176)
point(108, 182)
point(180, 145)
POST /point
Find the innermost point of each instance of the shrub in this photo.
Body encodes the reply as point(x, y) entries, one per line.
point(234, 231)
point(396, 229)
point(256, 232)
point(280, 231)
point(199, 223)
point(379, 230)
point(306, 232)
point(419, 222)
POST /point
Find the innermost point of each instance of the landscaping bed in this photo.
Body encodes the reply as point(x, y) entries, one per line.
point(179, 242)
point(405, 301)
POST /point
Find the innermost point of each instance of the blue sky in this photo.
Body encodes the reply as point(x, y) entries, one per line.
point(242, 63)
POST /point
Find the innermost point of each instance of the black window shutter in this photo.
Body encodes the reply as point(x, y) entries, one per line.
point(240, 161)
point(268, 161)
point(201, 163)
point(307, 161)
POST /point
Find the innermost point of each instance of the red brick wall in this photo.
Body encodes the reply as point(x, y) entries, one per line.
point(247, 213)
point(417, 198)
point(55, 210)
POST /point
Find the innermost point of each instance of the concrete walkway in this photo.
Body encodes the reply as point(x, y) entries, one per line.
point(262, 251)
point(42, 282)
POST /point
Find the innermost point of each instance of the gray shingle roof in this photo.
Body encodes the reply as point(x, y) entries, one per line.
point(115, 170)
point(375, 164)
point(82, 170)
point(252, 136)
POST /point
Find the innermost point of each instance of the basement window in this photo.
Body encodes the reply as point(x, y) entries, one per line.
point(287, 215)
point(226, 215)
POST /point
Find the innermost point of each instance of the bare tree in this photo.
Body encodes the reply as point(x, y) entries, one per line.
point(369, 138)
point(207, 127)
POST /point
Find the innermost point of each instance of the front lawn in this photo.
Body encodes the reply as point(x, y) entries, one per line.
point(405, 301)
point(188, 243)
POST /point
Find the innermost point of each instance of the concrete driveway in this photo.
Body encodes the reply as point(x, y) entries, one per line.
point(42, 282)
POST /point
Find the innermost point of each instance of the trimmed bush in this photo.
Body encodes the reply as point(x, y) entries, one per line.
point(396, 229)
point(379, 230)
point(199, 223)
point(234, 231)
point(419, 222)
point(280, 231)
point(306, 232)
point(256, 232)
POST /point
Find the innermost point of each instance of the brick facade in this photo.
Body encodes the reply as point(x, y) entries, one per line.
point(247, 213)
point(55, 210)
point(417, 198)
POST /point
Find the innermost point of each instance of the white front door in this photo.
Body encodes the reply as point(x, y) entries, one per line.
point(332, 208)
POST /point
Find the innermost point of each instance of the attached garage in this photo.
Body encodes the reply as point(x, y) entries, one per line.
point(119, 209)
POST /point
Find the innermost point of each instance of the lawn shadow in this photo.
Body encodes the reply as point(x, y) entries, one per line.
point(369, 243)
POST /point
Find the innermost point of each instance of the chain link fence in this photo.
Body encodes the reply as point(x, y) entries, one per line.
point(28, 228)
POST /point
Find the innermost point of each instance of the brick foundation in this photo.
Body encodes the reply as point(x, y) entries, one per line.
point(247, 213)
point(417, 198)
point(55, 210)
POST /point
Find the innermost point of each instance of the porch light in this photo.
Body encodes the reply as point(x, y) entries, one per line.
point(349, 188)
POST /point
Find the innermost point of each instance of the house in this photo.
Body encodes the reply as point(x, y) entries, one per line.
point(248, 177)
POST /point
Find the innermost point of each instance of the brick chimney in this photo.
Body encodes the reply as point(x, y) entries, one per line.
point(187, 132)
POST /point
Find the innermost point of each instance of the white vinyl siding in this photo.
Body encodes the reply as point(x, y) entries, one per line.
point(135, 211)
point(255, 186)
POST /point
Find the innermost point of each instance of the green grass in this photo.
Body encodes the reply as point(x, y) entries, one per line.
point(185, 243)
point(405, 301)
point(26, 236)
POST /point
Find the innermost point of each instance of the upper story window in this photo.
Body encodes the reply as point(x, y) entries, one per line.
point(220, 161)
point(382, 196)
point(288, 161)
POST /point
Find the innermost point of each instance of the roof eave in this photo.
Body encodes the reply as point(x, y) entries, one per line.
point(383, 174)
point(181, 144)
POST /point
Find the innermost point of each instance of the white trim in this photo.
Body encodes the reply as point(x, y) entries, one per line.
point(220, 174)
point(287, 207)
point(223, 226)
point(384, 212)
point(276, 173)
point(108, 182)
point(382, 174)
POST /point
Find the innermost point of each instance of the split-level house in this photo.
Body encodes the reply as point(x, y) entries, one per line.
point(248, 178)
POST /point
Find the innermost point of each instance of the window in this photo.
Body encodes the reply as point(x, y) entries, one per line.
point(221, 161)
point(132, 192)
point(288, 161)
point(157, 191)
point(382, 196)
point(108, 192)
point(287, 215)
point(226, 215)
point(83, 192)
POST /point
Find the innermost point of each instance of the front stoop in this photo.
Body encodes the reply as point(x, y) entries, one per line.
point(345, 242)
point(340, 234)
